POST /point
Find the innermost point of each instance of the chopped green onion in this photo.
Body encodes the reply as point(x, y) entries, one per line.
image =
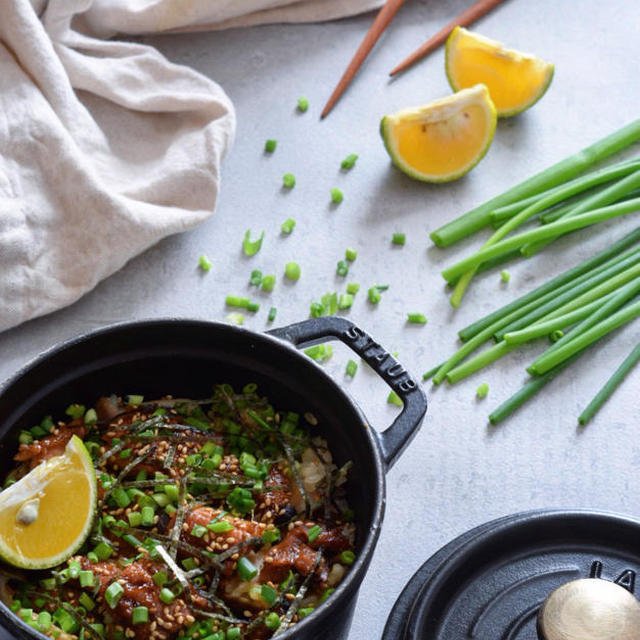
point(326, 595)
point(349, 161)
point(352, 367)
point(292, 271)
point(253, 306)
point(345, 301)
point(135, 400)
point(353, 288)
point(268, 282)
point(125, 453)
point(505, 276)
point(272, 621)
point(172, 490)
point(113, 594)
point(160, 578)
point(270, 145)
point(319, 352)
point(167, 596)
point(313, 533)
point(288, 181)
point(288, 225)
point(303, 104)
point(121, 497)
point(233, 633)
point(91, 417)
point(140, 615)
point(44, 621)
point(336, 195)
point(305, 611)
point(74, 569)
point(246, 570)
point(250, 247)
point(256, 278)
point(554, 336)
point(394, 398)
point(398, 238)
point(272, 314)
point(268, 594)
point(87, 602)
point(75, 411)
point(237, 301)
point(235, 318)
point(351, 254)
point(147, 516)
point(374, 295)
point(198, 531)
point(417, 318)
point(270, 536)
point(92, 556)
point(240, 499)
point(86, 578)
point(190, 563)
point(343, 268)
point(347, 557)
point(482, 390)
point(221, 526)
point(204, 263)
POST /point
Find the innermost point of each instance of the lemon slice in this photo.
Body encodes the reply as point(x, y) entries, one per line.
point(444, 139)
point(47, 515)
point(515, 80)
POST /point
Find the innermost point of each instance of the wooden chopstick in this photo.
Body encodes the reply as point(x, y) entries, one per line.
point(466, 18)
point(381, 22)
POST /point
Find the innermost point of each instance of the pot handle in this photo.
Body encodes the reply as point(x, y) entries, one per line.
point(395, 438)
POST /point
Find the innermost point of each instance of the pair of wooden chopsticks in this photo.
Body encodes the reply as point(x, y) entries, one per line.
point(384, 17)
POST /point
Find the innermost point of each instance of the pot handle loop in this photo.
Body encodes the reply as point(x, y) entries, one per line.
point(395, 438)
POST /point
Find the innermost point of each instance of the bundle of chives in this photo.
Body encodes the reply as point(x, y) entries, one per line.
point(602, 198)
point(557, 174)
point(610, 386)
point(611, 253)
point(542, 233)
point(557, 212)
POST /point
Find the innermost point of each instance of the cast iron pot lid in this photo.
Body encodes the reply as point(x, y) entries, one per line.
point(541, 575)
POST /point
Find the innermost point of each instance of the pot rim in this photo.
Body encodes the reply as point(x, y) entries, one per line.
point(351, 583)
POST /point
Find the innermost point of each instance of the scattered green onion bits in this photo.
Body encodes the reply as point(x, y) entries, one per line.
point(251, 247)
point(482, 390)
point(417, 318)
point(349, 162)
point(353, 288)
point(272, 314)
point(255, 278)
point(204, 263)
point(287, 226)
point(374, 295)
point(336, 195)
point(351, 368)
point(303, 104)
point(342, 268)
point(319, 352)
point(328, 306)
point(394, 398)
point(234, 318)
point(270, 145)
point(269, 282)
point(345, 301)
point(505, 276)
point(288, 181)
point(399, 239)
point(292, 271)
point(351, 254)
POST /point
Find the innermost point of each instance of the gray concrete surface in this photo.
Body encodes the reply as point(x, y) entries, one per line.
point(459, 472)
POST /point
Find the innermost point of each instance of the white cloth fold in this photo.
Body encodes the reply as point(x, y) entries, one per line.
point(105, 146)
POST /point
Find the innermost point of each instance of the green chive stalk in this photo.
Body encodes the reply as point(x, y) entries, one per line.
point(554, 197)
point(622, 297)
point(551, 300)
point(542, 233)
point(610, 386)
point(556, 174)
point(586, 182)
point(546, 327)
point(589, 290)
point(611, 194)
point(547, 361)
point(480, 361)
point(609, 255)
point(528, 391)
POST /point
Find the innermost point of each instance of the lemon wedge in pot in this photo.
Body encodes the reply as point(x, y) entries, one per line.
point(444, 139)
point(47, 515)
point(515, 80)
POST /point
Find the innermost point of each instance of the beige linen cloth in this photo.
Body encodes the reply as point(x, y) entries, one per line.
point(105, 146)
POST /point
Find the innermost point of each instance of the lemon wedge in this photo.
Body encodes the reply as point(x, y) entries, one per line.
point(444, 139)
point(516, 80)
point(47, 515)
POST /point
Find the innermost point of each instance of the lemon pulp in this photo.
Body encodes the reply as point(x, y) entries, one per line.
point(444, 139)
point(61, 494)
point(515, 80)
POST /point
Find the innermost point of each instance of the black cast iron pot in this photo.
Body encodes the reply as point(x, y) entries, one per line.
point(185, 358)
